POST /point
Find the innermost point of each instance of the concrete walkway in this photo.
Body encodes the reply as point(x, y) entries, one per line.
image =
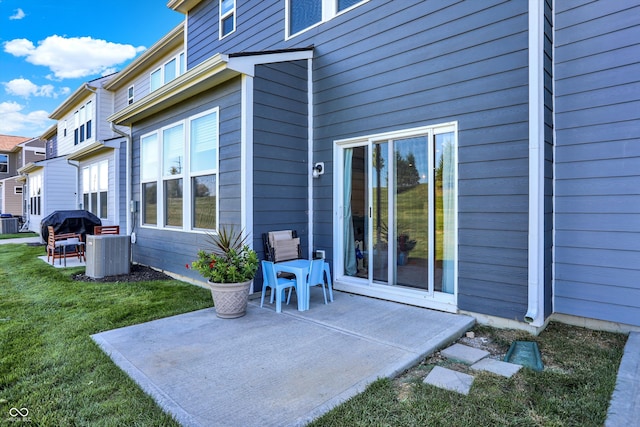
point(270, 369)
point(624, 408)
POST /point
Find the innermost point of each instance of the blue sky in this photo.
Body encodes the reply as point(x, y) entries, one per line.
point(48, 49)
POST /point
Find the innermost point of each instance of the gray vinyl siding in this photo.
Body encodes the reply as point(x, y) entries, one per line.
point(280, 151)
point(416, 63)
point(152, 246)
point(597, 197)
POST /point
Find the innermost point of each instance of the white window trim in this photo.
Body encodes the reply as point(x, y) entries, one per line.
point(223, 17)
point(16, 192)
point(186, 176)
point(435, 300)
point(329, 11)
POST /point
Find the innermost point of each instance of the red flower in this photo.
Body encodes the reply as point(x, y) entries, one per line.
point(212, 263)
point(187, 265)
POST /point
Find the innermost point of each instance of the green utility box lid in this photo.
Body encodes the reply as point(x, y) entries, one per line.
point(525, 353)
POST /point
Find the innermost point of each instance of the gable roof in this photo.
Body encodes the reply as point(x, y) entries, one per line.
point(9, 142)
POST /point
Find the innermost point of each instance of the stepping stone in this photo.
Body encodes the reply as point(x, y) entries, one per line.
point(449, 380)
point(498, 367)
point(464, 353)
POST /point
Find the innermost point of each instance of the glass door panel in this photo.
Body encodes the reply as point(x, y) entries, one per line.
point(411, 212)
point(379, 212)
point(356, 212)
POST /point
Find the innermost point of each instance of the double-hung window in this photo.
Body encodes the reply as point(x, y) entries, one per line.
point(162, 75)
point(304, 14)
point(95, 188)
point(179, 166)
point(4, 163)
point(82, 120)
point(227, 17)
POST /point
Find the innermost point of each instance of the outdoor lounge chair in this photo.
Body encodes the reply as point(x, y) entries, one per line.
point(281, 245)
point(62, 245)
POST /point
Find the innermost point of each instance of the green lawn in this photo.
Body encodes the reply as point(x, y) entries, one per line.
point(17, 236)
point(48, 362)
point(573, 390)
point(50, 365)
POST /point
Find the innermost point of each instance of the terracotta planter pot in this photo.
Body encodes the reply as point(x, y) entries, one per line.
point(230, 299)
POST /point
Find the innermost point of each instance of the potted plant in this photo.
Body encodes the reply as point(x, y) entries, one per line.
point(229, 267)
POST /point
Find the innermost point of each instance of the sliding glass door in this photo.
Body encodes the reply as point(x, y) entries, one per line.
point(398, 223)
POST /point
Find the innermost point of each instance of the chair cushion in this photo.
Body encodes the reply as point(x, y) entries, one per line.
point(286, 249)
point(279, 235)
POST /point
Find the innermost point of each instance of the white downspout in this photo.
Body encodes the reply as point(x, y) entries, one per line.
point(535, 309)
point(128, 172)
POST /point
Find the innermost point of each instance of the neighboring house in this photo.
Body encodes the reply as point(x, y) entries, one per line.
point(480, 155)
point(15, 152)
point(158, 65)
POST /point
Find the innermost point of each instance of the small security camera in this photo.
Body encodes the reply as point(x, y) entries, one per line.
point(318, 169)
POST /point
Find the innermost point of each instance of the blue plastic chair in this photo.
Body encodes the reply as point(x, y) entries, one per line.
point(316, 276)
point(277, 285)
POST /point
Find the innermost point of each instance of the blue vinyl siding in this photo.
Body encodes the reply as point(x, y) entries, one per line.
point(152, 246)
point(280, 151)
point(408, 64)
point(597, 210)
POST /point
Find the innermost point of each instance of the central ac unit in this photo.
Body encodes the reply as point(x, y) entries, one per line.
point(108, 255)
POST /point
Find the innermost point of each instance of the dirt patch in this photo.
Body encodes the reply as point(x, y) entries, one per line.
point(138, 273)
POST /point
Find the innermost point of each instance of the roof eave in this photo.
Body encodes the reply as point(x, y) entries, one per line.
point(182, 6)
point(80, 93)
point(206, 75)
point(170, 41)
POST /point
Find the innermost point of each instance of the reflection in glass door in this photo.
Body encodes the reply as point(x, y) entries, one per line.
point(399, 211)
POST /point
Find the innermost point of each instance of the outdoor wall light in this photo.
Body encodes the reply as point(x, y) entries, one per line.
point(318, 169)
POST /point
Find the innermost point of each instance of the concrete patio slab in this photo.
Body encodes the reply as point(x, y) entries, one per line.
point(449, 379)
point(268, 369)
point(464, 353)
point(624, 408)
point(497, 367)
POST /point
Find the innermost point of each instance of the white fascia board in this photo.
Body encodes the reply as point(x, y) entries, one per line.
point(245, 64)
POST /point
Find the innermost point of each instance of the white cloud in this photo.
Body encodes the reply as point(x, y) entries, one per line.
point(18, 15)
point(25, 88)
point(73, 57)
point(16, 122)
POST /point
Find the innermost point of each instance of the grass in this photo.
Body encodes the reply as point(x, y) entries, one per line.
point(48, 362)
point(17, 236)
point(50, 365)
point(573, 390)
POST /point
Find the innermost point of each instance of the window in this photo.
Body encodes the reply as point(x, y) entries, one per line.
point(172, 171)
point(304, 14)
point(148, 176)
point(179, 174)
point(17, 190)
point(4, 163)
point(82, 119)
point(35, 194)
point(130, 95)
point(156, 79)
point(95, 188)
point(169, 71)
point(227, 17)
